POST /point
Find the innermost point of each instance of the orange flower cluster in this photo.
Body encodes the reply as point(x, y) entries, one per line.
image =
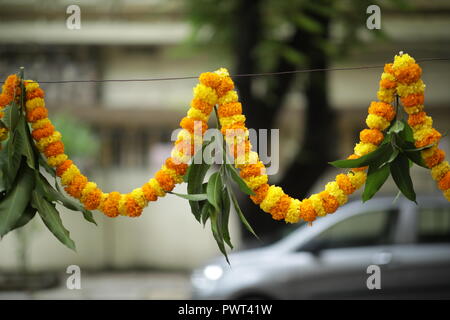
point(212, 87)
point(10, 89)
point(410, 89)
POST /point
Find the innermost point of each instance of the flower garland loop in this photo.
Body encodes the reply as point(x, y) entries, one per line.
point(401, 78)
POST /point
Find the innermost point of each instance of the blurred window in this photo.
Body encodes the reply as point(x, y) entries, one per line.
point(433, 225)
point(368, 229)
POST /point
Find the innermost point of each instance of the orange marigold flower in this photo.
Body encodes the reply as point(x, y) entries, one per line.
point(354, 156)
point(149, 193)
point(111, 204)
point(330, 203)
point(4, 99)
point(165, 181)
point(387, 84)
point(408, 74)
point(37, 113)
point(230, 109)
point(180, 168)
point(373, 136)
point(92, 200)
point(437, 157)
point(63, 167)
point(252, 170)
point(37, 93)
point(345, 184)
point(307, 212)
point(43, 132)
point(412, 100)
point(239, 150)
point(201, 105)
point(234, 129)
point(76, 186)
point(190, 124)
point(210, 79)
point(225, 86)
point(132, 207)
point(260, 193)
point(388, 68)
point(433, 137)
point(444, 183)
point(54, 149)
point(382, 109)
point(416, 118)
point(279, 210)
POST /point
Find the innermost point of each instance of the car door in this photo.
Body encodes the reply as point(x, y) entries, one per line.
point(342, 254)
point(425, 261)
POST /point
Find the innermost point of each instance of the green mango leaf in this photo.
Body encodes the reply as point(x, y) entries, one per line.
point(407, 133)
point(239, 212)
point(396, 127)
point(400, 174)
point(12, 113)
point(186, 175)
point(391, 158)
point(205, 212)
point(376, 177)
point(225, 217)
point(27, 215)
point(13, 161)
point(197, 173)
point(365, 160)
point(214, 190)
point(25, 147)
point(44, 188)
point(16, 201)
point(192, 197)
point(43, 163)
point(51, 218)
point(216, 231)
point(239, 181)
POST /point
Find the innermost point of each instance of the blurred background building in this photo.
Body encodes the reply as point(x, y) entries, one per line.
point(132, 122)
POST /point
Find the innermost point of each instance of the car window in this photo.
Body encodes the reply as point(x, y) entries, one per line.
point(366, 229)
point(433, 225)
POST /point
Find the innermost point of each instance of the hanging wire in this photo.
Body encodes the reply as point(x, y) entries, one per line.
point(243, 75)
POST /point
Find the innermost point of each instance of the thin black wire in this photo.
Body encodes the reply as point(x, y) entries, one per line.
point(264, 74)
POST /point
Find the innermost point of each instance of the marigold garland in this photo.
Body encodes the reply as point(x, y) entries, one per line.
point(401, 78)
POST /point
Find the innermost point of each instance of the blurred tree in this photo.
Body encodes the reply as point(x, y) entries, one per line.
point(274, 35)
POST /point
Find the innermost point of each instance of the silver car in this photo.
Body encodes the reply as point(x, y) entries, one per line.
point(406, 246)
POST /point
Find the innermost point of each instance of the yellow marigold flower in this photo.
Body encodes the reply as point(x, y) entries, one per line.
point(316, 202)
point(139, 197)
point(205, 93)
point(333, 189)
point(414, 109)
point(179, 157)
point(223, 72)
point(155, 185)
point(249, 158)
point(31, 86)
point(374, 121)
point(422, 134)
point(57, 160)
point(438, 171)
point(103, 198)
point(122, 205)
point(256, 181)
point(197, 115)
point(447, 194)
point(362, 148)
point(228, 121)
point(44, 142)
point(293, 213)
point(386, 95)
point(40, 123)
point(428, 152)
point(402, 61)
point(69, 174)
point(34, 103)
point(417, 87)
point(88, 188)
point(357, 178)
point(230, 96)
point(387, 76)
point(273, 195)
point(426, 124)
